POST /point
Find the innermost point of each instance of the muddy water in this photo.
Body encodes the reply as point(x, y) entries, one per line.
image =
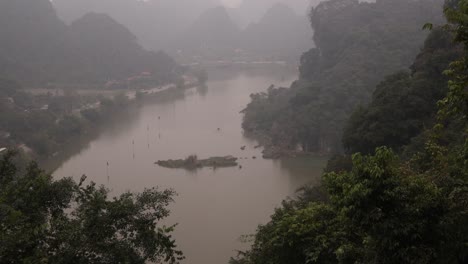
point(214, 207)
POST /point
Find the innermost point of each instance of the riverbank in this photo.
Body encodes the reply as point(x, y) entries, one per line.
point(275, 151)
point(189, 125)
point(111, 113)
point(50, 126)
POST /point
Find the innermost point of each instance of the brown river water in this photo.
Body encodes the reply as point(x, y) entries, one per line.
point(213, 207)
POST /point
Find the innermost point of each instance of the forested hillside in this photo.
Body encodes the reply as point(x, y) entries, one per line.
point(405, 103)
point(385, 208)
point(357, 45)
point(39, 49)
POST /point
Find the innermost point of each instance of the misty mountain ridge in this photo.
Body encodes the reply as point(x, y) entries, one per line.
point(155, 23)
point(214, 25)
point(251, 11)
point(35, 38)
point(174, 26)
point(42, 49)
point(357, 45)
point(212, 34)
point(280, 32)
point(111, 50)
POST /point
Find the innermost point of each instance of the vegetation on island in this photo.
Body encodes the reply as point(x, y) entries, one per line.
point(384, 205)
point(193, 162)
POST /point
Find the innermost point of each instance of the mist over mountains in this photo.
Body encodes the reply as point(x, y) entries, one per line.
point(102, 40)
point(155, 23)
point(336, 133)
point(213, 34)
point(280, 34)
point(187, 25)
point(251, 11)
point(280, 31)
point(41, 49)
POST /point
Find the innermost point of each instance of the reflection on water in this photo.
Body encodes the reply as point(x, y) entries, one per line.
point(304, 169)
point(113, 125)
point(214, 207)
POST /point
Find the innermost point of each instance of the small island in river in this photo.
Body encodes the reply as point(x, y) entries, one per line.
point(192, 162)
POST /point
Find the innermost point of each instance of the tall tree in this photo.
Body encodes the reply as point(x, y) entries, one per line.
point(43, 220)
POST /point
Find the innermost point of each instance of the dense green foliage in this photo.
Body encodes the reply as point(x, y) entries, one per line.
point(357, 45)
point(43, 220)
point(404, 104)
point(385, 209)
point(38, 49)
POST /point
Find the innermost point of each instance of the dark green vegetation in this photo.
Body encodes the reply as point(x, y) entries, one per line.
point(404, 104)
point(46, 124)
point(357, 45)
point(43, 220)
point(384, 207)
point(383, 211)
point(40, 50)
point(192, 162)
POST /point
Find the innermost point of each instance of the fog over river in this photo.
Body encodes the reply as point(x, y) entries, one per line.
point(213, 207)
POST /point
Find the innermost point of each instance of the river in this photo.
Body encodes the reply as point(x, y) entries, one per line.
point(213, 207)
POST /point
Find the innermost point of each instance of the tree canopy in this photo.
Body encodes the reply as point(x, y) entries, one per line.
point(43, 220)
point(405, 103)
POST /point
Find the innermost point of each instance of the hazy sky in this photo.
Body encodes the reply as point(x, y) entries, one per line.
point(232, 3)
point(300, 6)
